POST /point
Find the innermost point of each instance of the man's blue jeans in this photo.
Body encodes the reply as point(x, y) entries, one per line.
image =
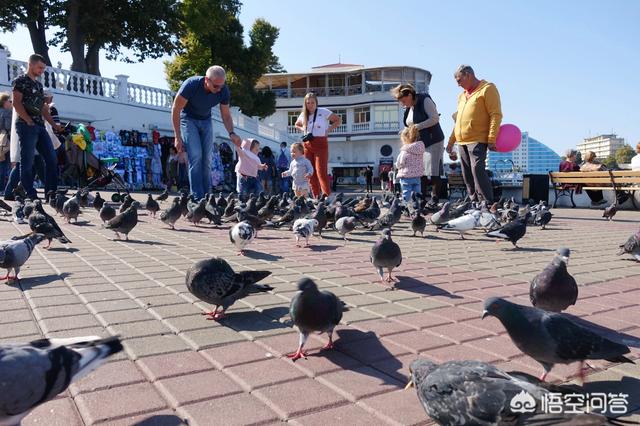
point(14, 175)
point(197, 136)
point(408, 186)
point(34, 138)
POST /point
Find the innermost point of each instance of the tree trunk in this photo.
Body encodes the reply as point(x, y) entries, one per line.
point(36, 26)
point(93, 59)
point(75, 37)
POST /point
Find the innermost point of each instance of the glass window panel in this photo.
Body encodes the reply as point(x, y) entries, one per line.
point(373, 81)
point(362, 115)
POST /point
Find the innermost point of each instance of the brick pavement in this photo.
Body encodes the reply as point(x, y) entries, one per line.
point(176, 365)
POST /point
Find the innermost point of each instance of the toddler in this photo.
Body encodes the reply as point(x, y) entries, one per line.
point(300, 170)
point(248, 166)
point(410, 163)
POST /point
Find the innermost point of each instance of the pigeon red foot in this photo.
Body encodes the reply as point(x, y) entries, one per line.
point(297, 354)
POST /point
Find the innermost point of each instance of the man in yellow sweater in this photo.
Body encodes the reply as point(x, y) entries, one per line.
point(476, 128)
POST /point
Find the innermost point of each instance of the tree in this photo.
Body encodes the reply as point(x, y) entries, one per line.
point(610, 162)
point(214, 35)
point(578, 157)
point(624, 154)
point(149, 28)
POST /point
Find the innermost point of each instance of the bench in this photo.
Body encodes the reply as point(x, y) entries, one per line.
point(565, 183)
point(456, 184)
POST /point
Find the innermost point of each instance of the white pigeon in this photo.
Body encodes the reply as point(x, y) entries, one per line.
point(464, 223)
point(36, 372)
point(241, 235)
point(15, 253)
point(345, 225)
point(304, 228)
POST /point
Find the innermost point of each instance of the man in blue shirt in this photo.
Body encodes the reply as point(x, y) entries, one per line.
point(191, 118)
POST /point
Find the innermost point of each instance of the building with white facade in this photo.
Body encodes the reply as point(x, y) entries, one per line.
point(371, 117)
point(602, 145)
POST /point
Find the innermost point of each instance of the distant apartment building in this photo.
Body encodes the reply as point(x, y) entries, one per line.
point(602, 145)
point(531, 157)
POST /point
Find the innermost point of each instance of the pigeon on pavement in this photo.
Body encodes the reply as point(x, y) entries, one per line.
point(28, 208)
point(631, 246)
point(554, 289)
point(477, 393)
point(213, 281)
point(241, 234)
point(124, 222)
point(512, 231)
point(345, 225)
point(163, 196)
point(15, 253)
point(42, 223)
point(610, 212)
point(71, 208)
point(314, 310)
point(107, 212)
point(171, 215)
point(553, 338)
point(128, 200)
point(198, 213)
point(543, 217)
point(18, 210)
point(303, 228)
point(36, 372)
point(98, 201)
point(441, 217)
point(152, 205)
point(60, 201)
point(386, 254)
point(418, 223)
point(463, 224)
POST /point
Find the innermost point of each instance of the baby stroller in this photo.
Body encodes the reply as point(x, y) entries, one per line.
point(92, 172)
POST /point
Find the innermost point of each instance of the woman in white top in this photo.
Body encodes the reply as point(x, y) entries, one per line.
point(635, 161)
point(315, 123)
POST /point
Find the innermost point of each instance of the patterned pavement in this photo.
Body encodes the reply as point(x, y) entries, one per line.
point(178, 366)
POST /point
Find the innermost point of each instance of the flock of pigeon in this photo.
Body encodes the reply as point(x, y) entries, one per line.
point(456, 392)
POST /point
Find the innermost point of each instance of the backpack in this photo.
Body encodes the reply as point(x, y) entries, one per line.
point(283, 161)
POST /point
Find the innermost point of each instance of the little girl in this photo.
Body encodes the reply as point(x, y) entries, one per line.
point(248, 166)
point(410, 163)
point(300, 169)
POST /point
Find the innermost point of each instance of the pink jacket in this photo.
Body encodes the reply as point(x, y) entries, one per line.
point(410, 163)
point(248, 162)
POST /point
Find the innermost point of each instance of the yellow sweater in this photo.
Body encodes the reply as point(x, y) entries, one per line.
point(478, 118)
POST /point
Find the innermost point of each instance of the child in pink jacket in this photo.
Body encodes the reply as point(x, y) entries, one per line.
point(410, 163)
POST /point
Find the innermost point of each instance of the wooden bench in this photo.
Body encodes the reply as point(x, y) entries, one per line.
point(565, 183)
point(456, 184)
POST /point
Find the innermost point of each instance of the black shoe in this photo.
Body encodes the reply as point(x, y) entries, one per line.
point(9, 197)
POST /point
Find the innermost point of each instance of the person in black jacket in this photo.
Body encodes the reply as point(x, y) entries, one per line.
point(420, 110)
point(368, 175)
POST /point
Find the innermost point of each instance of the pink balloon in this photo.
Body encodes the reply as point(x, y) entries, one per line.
point(508, 139)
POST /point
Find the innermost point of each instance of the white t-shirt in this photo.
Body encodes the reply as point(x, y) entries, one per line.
point(635, 162)
point(321, 124)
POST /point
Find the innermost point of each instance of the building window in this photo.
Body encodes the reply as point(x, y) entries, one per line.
point(342, 113)
point(386, 114)
point(362, 115)
point(292, 117)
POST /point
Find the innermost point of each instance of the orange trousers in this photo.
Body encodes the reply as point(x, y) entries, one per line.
point(317, 151)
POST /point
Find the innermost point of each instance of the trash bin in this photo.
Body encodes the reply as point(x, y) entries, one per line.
point(535, 188)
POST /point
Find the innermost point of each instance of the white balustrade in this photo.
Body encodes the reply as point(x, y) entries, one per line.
point(293, 130)
point(386, 125)
point(340, 129)
point(360, 127)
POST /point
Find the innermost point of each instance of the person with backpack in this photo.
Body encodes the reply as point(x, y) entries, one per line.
point(282, 164)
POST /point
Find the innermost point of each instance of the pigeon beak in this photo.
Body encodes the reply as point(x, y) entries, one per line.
point(409, 385)
point(565, 259)
point(485, 314)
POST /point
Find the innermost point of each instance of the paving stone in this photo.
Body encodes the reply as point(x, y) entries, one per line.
point(152, 418)
point(236, 410)
point(263, 373)
point(397, 407)
point(345, 415)
point(189, 388)
point(154, 345)
point(236, 354)
point(175, 364)
point(315, 396)
point(358, 383)
point(17, 329)
point(15, 316)
point(127, 316)
point(214, 336)
point(113, 305)
point(58, 412)
point(139, 329)
point(68, 323)
point(108, 375)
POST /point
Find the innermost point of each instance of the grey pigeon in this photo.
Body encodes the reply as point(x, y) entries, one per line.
point(98, 201)
point(15, 253)
point(303, 228)
point(107, 212)
point(320, 215)
point(241, 234)
point(543, 217)
point(464, 223)
point(184, 204)
point(213, 281)
point(152, 205)
point(390, 218)
point(418, 223)
point(345, 225)
point(268, 210)
point(171, 215)
point(553, 338)
point(124, 222)
point(71, 208)
point(42, 223)
point(27, 209)
point(212, 212)
point(631, 246)
point(554, 289)
point(441, 217)
point(386, 254)
point(314, 310)
point(18, 210)
point(610, 212)
point(128, 200)
point(198, 213)
point(512, 231)
point(61, 199)
point(36, 372)
point(469, 392)
point(163, 196)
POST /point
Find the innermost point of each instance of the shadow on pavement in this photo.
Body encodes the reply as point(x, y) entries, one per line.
point(31, 282)
point(256, 321)
point(416, 286)
point(252, 254)
point(161, 420)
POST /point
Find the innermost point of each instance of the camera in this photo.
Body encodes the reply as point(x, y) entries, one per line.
point(308, 137)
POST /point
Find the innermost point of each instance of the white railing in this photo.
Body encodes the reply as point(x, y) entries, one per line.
point(386, 125)
point(293, 130)
point(340, 129)
point(360, 127)
point(146, 95)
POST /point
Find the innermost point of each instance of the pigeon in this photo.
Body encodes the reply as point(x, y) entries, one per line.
point(163, 196)
point(386, 254)
point(152, 205)
point(41, 223)
point(543, 217)
point(345, 225)
point(36, 372)
point(320, 215)
point(171, 215)
point(128, 199)
point(441, 217)
point(124, 222)
point(554, 289)
point(198, 213)
point(244, 216)
point(512, 231)
point(27, 209)
point(107, 212)
point(631, 246)
point(610, 212)
point(211, 211)
point(289, 217)
point(314, 310)
point(98, 201)
point(391, 218)
point(241, 234)
point(184, 204)
point(71, 208)
point(418, 223)
point(464, 223)
point(371, 213)
point(18, 210)
point(268, 210)
point(303, 228)
point(213, 281)
point(553, 338)
point(477, 393)
point(15, 253)
point(61, 200)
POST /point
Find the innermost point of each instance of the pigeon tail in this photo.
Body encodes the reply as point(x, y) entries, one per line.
point(252, 277)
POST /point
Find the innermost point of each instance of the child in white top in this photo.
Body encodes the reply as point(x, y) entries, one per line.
point(247, 167)
point(300, 169)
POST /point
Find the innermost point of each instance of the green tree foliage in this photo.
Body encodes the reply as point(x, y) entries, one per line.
point(33, 14)
point(624, 154)
point(214, 35)
point(578, 157)
point(610, 162)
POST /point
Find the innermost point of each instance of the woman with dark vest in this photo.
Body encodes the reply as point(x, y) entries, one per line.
point(420, 110)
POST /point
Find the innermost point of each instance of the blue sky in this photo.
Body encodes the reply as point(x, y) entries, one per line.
point(565, 69)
